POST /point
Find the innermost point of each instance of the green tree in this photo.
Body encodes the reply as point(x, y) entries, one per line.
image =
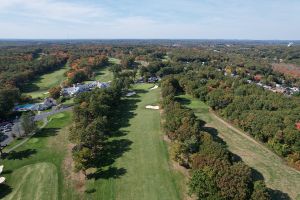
point(8, 96)
point(202, 184)
point(55, 92)
point(28, 123)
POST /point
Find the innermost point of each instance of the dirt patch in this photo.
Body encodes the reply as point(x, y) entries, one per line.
point(287, 69)
point(166, 139)
point(73, 179)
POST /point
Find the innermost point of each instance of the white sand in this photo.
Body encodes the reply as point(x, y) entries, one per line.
point(2, 179)
point(154, 87)
point(129, 94)
point(152, 107)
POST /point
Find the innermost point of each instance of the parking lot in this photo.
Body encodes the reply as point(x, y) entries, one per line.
point(6, 128)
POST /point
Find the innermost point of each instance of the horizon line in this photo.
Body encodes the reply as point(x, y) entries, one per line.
point(208, 39)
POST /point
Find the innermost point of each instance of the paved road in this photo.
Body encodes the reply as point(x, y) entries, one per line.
point(46, 114)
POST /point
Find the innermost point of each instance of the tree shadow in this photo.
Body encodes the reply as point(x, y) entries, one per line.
point(278, 195)
point(46, 132)
point(113, 150)
point(111, 172)
point(183, 101)
point(4, 190)
point(140, 91)
point(31, 87)
point(90, 191)
point(116, 146)
point(256, 175)
point(7, 172)
point(214, 133)
point(123, 114)
point(19, 155)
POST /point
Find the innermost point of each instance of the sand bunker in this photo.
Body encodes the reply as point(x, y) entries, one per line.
point(154, 87)
point(2, 180)
point(152, 107)
point(129, 94)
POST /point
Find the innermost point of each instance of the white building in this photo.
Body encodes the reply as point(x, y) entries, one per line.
point(79, 88)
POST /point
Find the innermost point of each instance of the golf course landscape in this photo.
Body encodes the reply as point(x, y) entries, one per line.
point(41, 85)
point(277, 174)
point(142, 168)
point(34, 170)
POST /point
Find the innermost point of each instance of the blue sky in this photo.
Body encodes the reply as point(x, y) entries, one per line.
point(174, 19)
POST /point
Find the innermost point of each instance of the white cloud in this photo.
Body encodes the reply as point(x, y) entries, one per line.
point(55, 10)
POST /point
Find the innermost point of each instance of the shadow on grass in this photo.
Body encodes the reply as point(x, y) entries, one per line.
point(111, 172)
point(7, 172)
point(214, 133)
point(113, 150)
point(19, 155)
point(117, 146)
point(183, 101)
point(31, 87)
point(278, 195)
point(47, 132)
point(4, 190)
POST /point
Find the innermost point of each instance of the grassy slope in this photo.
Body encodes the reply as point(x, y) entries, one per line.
point(42, 84)
point(142, 170)
point(34, 170)
point(277, 174)
point(104, 75)
point(114, 60)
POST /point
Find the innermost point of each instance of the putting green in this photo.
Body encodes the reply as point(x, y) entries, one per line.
point(58, 116)
point(35, 182)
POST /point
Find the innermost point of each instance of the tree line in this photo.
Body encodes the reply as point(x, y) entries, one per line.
point(93, 125)
point(216, 173)
point(269, 117)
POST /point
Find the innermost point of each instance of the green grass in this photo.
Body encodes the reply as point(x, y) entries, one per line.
point(276, 173)
point(34, 170)
point(104, 75)
point(114, 60)
point(35, 181)
point(141, 169)
point(40, 86)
